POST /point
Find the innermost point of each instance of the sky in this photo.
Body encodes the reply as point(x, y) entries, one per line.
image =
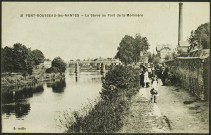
point(93, 37)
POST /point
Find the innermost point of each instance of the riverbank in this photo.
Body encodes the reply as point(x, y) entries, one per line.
point(105, 115)
point(16, 82)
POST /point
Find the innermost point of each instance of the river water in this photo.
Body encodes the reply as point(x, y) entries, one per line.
point(37, 109)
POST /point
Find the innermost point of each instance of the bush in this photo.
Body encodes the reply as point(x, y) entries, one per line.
point(48, 70)
point(106, 114)
point(58, 65)
point(120, 78)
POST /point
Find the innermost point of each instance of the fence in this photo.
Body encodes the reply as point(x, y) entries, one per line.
point(192, 73)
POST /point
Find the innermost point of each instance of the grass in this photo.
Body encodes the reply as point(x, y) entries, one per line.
point(99, 116)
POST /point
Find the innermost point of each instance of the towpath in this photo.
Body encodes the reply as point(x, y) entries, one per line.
point(176, 111)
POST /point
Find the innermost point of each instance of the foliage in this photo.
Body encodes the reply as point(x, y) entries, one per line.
point(16, 59)
point(156, 60)
point(105, 114)
point(167, 57)
point(37, 57)
point(117, 79)
point(129, 48)
point(19, 58)
point(201, 35)
point(7, 59)
point(206, 77)
point(48, 70)
point(141, 45)
point(151, 57)
point(125, 50)
point(58, 65)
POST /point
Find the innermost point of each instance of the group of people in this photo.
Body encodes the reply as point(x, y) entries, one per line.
point(149, 78)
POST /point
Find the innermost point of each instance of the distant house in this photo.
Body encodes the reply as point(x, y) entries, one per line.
point(163, 50)
point(45, 64)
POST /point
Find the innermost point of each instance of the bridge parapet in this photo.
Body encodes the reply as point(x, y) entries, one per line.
point(87, 62)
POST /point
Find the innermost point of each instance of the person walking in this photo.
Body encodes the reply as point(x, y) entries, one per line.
point(164, 75)
point(153, 71)
point(154, 91)
point(142, 84)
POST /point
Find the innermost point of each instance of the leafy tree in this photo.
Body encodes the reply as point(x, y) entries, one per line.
point(201, 35)
point(141, 45)
point(126, 50)
point(37, 57)
point(16, 59)
point(7, 59)
point(129, 48)
point(58, 65)
point(21, 59)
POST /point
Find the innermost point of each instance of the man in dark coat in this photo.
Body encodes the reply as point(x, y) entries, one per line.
point(164, 75)
point(142, 79)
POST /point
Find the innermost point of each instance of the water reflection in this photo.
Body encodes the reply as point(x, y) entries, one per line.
point(35, 108)
point(14, 102)
point(20, 110)
point(21, 95)
point(59, 86)
point(76, 77)
point(50, 83)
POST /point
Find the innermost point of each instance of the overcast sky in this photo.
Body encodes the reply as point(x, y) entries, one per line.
point(92, 37)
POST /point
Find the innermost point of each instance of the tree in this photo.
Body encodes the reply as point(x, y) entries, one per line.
point(141, 45)
point(201, 35)
point(37, 57)
point(58, 65)
point(7, 59)
point(150, 56)
point(16, 59)
point(129, 48)
point(22, 62)
point(126, 50)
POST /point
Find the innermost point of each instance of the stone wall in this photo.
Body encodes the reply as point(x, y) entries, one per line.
point(192, 74)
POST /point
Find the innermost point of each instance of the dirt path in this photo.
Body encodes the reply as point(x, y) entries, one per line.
point(176, 112)
point(144, 117)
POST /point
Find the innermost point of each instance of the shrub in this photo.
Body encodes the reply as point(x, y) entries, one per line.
point(106, 114)
point(58, 65)
point(117, 79)
point(48, 70)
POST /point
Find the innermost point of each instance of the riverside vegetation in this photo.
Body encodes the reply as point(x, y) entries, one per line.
point(21, 68)
point(106, 114)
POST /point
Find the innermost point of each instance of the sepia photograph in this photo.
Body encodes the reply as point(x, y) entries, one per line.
point(105, 67)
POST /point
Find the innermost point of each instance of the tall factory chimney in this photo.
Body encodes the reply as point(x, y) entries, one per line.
point(180, 32)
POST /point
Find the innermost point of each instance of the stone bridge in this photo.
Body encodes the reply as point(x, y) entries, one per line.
point(99, 63)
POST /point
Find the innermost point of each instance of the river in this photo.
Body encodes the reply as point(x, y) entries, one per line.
point(37, 109)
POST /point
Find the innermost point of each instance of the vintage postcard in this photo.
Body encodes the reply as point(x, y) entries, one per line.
point(105, 67)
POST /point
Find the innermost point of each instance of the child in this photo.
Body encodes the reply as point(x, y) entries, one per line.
point(154, 90)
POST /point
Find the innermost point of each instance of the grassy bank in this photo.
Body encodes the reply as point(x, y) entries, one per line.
point(15, 82)
point(106, 114)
